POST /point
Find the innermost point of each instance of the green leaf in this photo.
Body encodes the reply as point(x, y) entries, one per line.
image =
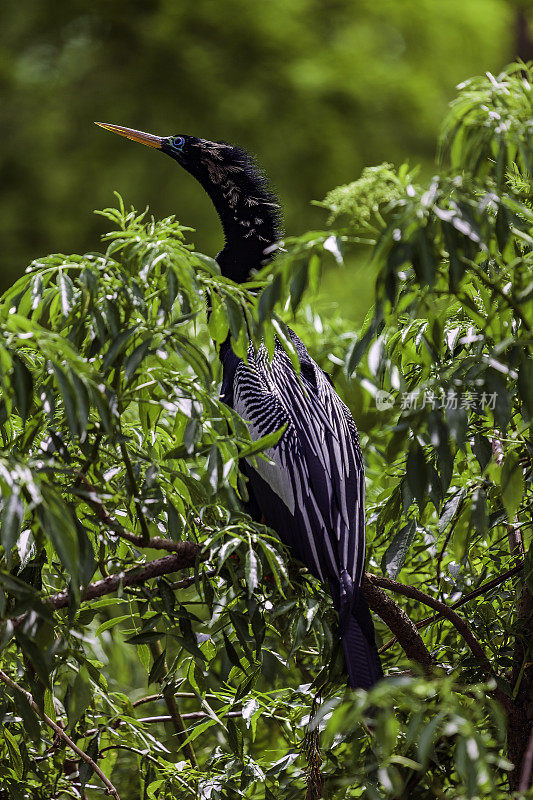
point(264, 443)
point(252, 569)
point(135, 359)
point(11, 520)
point(30, 719)
point(482, 450)
point(147, 637)
point(69, 398)
point(218, 319)
point(158, 669)
point(235, 316)
point(268, 298)
point(396, 553)
point(479, 514)
point(298, 285)
point(525, 384)
point(23, 386)
point(14, 752)
point(232, 653)
point(235, 738)
point(57, 524)
point(417, 473)
point(117, 346)
point(85, 769)
point(110, 623)
point(461, 532)
point(79, 697)
point(450, 509)
point(427, 737)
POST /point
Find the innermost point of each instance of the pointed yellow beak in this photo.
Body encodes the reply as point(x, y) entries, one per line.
point(137, 136)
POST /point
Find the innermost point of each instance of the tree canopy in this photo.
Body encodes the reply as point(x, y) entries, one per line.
point(158, 642)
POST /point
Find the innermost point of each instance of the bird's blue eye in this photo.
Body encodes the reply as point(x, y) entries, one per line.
point(178, 142)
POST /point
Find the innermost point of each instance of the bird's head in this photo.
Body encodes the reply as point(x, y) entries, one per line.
point(195, 155)
point(247, 208)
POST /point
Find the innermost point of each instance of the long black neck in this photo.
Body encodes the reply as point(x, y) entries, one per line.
point(248, 211)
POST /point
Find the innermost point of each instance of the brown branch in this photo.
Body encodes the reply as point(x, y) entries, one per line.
point(519, 726)
point(184, 583)
point(399, 623)
point(185, 556)
point(62, 735)
point(116, 529)
point(527, 766)
point(485, 587)
point(449, 614)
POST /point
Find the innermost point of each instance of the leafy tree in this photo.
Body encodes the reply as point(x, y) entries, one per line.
point(119, 473)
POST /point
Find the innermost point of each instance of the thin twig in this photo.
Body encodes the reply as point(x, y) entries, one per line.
point(116, 529)
point(189, 715)
point(485, 587)
point(61, 733)
point(131, 749)
point(184, 583)
point(173, 710)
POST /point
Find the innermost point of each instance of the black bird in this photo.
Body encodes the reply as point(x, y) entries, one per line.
point(313, 494)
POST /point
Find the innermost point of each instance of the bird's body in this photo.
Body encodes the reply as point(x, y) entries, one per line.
point(311, 490)
point(312, 494)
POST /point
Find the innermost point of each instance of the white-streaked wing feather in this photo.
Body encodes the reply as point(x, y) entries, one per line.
point(318, 470)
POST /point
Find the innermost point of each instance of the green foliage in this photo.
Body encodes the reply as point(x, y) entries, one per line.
point(318, 90)
point(115, 450)
point(363, 199)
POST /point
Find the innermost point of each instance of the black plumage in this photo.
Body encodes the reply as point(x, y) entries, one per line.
point(312, 494)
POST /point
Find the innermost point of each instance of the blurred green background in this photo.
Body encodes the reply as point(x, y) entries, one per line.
point(317, 89)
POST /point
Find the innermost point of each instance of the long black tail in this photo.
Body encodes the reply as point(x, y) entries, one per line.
point(357, 634)
point(360, 651)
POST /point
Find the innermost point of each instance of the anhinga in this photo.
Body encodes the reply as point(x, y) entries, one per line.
point(312, 494)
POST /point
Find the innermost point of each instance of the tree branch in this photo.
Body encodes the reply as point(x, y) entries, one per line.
point(399, 623)
point(485, 587)
point(62, 735)
point(116, 529)
point(185, 556)
point(444, 610)
point(189, 715)
point(527, 766)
